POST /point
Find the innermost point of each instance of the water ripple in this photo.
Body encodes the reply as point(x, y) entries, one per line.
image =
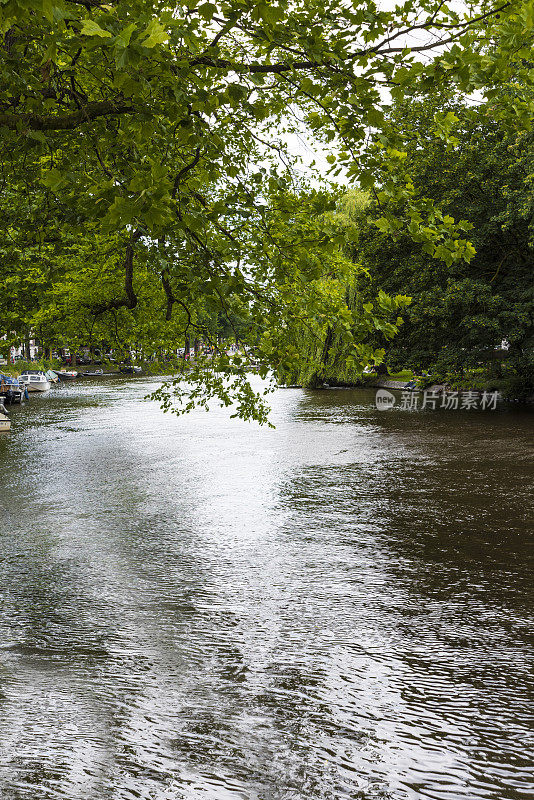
point(199, 608)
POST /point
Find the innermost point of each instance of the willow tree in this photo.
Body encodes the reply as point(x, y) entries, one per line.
point(168, 123)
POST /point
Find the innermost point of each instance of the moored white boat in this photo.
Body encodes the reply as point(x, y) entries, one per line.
point(130, 369)
point(34, 381)
point(67, 375)
point(5, 422)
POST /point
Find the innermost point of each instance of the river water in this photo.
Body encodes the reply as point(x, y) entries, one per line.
point(201, 608)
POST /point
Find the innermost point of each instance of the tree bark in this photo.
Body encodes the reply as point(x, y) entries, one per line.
point(63, 122)
point(316, 380)
point(130, 298)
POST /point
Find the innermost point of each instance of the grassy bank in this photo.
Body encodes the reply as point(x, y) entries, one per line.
point(510, 385)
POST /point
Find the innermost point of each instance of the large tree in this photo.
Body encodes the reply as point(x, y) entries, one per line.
point(165, 126)
point(461, 311)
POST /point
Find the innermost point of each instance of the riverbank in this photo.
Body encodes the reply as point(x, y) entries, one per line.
point(504, 388)
point(509, 389)
point(14, 370)
point(83, 370)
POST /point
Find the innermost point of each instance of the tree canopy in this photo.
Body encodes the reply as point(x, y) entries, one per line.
point(151, 139)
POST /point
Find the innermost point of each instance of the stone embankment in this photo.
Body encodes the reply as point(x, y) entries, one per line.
point(384, 383)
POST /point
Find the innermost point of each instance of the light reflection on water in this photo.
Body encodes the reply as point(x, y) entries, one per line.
point(199, 608)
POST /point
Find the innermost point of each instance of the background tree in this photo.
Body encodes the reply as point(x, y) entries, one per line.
point(461, 310)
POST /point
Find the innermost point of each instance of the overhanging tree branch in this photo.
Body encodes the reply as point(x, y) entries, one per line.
point(64, 122)
point(130, 298)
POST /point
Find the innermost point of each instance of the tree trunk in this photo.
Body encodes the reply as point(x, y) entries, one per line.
point(316, 381)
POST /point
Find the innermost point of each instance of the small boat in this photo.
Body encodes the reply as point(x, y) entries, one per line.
point(67, 375)
point(5, 422)
point(96, 374)
point(11, 389)
point(34, 381)
point(129, 369)
point(51, 376)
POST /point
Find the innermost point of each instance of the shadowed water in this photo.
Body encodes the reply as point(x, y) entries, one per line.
point(201, 608)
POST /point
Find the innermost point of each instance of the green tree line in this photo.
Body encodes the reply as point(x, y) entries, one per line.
point(460, 312)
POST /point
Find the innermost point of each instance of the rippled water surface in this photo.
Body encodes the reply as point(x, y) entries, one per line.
point(200, 608)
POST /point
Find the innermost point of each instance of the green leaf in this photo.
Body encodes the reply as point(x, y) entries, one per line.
point(48, 9)
point(375, 117)
point(270, 13)
point(155, 33)
point(52, 179)
point(126, 34)
point(366, 179)
point(207, 10)
point(91, 28)
point(382, 224)
point(38, 136)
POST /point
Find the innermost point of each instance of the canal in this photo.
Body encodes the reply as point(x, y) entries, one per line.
point(200, 608)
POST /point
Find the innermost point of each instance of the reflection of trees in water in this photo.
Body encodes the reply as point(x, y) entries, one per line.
point(450, 490)
point(450, 559)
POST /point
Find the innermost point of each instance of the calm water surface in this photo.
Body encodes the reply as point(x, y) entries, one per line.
point(200, 608)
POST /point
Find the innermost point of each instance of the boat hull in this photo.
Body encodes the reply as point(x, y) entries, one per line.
point(43, 386)
point(12, 393)
point(5, 425)
point(13, 396)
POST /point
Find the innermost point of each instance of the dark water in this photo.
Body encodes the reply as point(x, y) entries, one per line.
point(200, 608)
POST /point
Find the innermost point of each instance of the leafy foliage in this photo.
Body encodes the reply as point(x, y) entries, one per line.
point(462, 310)
point(147, 187)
